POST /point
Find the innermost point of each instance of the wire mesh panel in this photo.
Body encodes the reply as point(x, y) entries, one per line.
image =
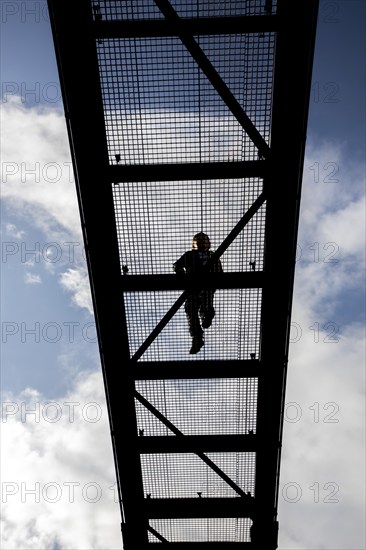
point(234, 333)
point(147, 9)
point(157, 220)
point(202, 529)
point(245, 63)
point(199, 407)
point(159, 106)
point(185, 475)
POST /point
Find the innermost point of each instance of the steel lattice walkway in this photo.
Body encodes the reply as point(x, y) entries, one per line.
point(186, 116)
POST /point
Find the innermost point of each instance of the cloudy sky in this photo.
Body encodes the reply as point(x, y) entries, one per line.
point(56, 458)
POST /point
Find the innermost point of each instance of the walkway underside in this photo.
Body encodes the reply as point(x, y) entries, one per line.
point(184, 117)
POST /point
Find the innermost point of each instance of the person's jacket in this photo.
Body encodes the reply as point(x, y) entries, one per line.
point(190, 263)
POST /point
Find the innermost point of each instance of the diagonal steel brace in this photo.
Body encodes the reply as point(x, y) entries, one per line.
point(156, 534)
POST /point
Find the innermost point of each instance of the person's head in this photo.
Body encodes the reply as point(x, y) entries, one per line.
point(201, 242)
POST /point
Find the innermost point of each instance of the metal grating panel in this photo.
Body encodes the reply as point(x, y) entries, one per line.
point(143, 9)
point(158, 220)
point(234, 334)
point(187, 476)
point(202, 530)
point(199, 407)
point(160, 108)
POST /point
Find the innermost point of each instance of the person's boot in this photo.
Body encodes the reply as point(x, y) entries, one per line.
point(197, 343)
point(207, 318)
point(206, 322)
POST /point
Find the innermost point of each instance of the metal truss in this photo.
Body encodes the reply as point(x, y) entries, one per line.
point(185, 116)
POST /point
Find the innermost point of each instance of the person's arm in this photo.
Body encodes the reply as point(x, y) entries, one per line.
point(216, 268)
point(217, 265)
point(180, 265)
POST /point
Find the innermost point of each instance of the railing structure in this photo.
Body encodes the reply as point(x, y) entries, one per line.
point(187, 116)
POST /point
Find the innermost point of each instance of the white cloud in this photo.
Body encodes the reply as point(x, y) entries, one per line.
point(77, 282)
point(323, 458)
point(37, 175)
point(331, 251)
point(32, 278)
point(331, 181)
point(38, 185)
point(347, 226)
point(58, 471)
point(13, 231)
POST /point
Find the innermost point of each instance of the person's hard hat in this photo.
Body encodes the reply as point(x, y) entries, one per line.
point(201, 241)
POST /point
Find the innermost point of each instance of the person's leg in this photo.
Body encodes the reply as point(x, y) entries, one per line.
point(195, 330)
point(206, 308)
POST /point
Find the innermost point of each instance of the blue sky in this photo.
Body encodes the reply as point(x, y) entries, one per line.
point(49, 354)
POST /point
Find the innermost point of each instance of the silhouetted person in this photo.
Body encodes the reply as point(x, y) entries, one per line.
point(199, 305)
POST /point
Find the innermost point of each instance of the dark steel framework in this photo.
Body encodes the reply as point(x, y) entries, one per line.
point(185, 116)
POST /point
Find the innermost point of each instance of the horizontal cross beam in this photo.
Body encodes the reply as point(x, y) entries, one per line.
point(195, 443)
point(197, 369)
point(239, 507)
point(143, 283)
point(119, 173)
point(199, 25)
point(219, 545)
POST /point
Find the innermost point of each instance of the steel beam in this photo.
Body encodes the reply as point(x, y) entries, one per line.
point(294, 56)
point(119, 173)
point(208, 546)
point(158, 508)
point(76, 56)
point(197, 369)
point(197, 443)
point(202, 26)
point(143, 283)
point(156, 534)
